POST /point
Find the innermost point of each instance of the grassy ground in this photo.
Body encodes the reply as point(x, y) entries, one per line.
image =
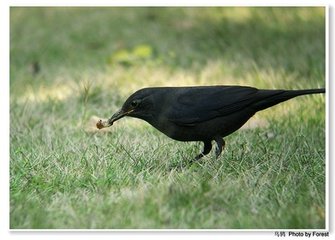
point(72, 65)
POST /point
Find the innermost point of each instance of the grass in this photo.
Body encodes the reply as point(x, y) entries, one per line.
point(65, 174)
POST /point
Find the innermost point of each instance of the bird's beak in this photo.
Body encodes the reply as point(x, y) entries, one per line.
point(116, 116)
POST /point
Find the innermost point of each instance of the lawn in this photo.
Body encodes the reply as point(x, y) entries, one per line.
point(72, 66)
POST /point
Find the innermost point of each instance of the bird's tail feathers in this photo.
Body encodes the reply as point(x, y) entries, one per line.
point(270, 98)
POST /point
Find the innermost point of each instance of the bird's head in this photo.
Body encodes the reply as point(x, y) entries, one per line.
point(139, 104)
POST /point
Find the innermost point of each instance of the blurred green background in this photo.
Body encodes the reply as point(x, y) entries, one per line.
point(71, 66)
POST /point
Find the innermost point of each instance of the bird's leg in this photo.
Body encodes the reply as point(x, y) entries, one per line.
point(220, 146)
point(207, 149)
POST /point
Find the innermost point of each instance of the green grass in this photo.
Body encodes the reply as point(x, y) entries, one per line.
point(66, 174)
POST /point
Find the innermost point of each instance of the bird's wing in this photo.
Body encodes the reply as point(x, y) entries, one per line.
point(199, 104)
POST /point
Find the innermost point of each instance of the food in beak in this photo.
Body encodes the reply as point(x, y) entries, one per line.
point(103, 124)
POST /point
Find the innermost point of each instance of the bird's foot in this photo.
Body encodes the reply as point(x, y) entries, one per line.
point(185, 163)
point(177, 166)
point(197, 158)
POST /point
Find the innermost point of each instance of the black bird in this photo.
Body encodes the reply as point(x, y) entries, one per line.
point(201, 113)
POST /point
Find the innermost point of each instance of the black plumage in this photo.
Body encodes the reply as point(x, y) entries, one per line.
point(201, 113)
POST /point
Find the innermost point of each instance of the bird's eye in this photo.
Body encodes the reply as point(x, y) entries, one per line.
point(135, 103)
